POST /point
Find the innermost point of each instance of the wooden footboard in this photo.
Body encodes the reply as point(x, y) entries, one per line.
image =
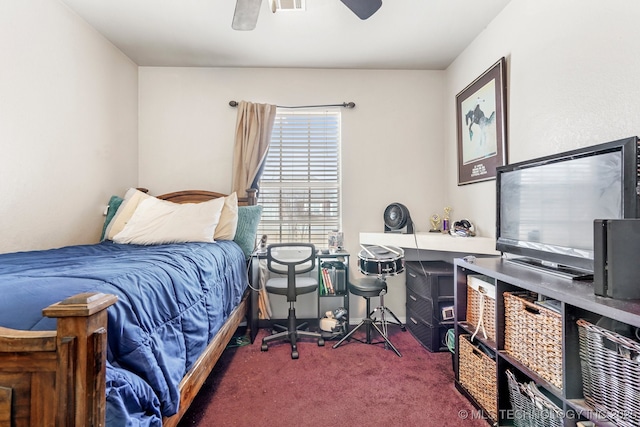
point(57, 378)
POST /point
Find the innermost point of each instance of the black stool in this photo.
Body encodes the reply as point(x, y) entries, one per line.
point(368, 288)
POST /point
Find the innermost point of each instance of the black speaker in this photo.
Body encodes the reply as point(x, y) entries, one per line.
point(616, 270)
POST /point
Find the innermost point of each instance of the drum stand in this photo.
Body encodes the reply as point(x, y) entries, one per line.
point(383, 309)
point(379, 316)
point(378, 320)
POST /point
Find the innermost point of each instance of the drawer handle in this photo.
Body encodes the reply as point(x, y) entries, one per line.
point(412, 275)
point(413, 298)
point(413, 320)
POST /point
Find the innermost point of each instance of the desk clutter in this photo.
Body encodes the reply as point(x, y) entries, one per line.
point(333, 275)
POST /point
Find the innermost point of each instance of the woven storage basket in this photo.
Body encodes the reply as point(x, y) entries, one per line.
point(533, 335)
point(477, 374)
point(610, 373)
point(530, 410)
point(481, 306)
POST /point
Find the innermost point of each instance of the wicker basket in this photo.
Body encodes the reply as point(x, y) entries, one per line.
point(533, 335)
point(481, 306)
point(610, 373)
point(531, 409)
point(477, 374)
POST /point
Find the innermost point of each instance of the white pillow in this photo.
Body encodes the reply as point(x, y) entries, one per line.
point(158, 221)
point(130, 202)
point(226, 228)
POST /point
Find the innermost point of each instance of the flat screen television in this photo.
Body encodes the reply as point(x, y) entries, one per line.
point(546, 206)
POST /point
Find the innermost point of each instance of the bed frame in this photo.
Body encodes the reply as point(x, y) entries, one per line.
point(57, 378)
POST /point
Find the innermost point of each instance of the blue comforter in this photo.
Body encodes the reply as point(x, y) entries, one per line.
point(172, 299)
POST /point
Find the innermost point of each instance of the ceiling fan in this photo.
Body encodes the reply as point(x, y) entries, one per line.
point(247, 11)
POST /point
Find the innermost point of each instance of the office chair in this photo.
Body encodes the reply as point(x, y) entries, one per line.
point(292, 260)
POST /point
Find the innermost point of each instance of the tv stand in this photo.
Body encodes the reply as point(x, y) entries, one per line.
point(553, 268)
point(574, 301)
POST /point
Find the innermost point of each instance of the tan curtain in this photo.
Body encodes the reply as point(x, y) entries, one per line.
point(253, 132)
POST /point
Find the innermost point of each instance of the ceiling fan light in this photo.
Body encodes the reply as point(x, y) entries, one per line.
point(246, 14)
point(363, 8)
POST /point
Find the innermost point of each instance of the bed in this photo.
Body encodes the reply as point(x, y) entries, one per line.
point(119, 333)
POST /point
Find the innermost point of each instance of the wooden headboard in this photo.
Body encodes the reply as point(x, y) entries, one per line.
point(197, 196)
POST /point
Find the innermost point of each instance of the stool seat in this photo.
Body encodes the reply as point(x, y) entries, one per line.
point(368, 287)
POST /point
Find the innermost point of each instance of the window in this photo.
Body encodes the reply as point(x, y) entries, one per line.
point(300, 185)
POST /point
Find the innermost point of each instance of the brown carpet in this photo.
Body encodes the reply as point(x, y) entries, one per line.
point(353, 385)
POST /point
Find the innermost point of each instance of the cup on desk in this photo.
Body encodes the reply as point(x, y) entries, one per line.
point(336, 241)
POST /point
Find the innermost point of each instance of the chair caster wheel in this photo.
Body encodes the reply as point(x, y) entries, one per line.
point(320, 342)
point(403, 329)
point(294, 354)
point(264, 347)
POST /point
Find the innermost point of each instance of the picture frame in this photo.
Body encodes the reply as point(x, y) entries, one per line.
point(481, 116)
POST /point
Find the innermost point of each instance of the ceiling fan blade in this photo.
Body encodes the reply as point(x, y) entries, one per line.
point(363, 8)
point(245, 17)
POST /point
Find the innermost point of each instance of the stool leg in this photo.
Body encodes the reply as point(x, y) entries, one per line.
point(346, 337)
point(368, 307)
point(367, 324)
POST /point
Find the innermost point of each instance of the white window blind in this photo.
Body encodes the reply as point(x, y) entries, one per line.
point(300, 185)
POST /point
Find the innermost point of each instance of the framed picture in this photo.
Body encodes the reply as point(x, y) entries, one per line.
point(481, 120)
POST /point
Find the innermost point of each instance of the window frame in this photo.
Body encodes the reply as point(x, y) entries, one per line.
point(300, 194)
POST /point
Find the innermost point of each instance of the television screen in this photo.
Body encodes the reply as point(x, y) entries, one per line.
point(546, 207)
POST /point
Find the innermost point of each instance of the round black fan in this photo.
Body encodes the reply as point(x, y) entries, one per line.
point(397, 219)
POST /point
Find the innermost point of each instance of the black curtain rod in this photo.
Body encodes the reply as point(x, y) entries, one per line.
point(344, 104)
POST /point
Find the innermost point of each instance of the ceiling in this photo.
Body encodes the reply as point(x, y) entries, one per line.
point(403, 34)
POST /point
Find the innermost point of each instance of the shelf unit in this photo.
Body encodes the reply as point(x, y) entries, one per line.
point(577, 301)
point(338, 268)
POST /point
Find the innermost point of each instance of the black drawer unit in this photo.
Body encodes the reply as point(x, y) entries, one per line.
point(431, 337)
point(429, 302)
point(434, 282)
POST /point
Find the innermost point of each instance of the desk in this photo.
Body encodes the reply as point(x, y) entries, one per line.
point(433, 242)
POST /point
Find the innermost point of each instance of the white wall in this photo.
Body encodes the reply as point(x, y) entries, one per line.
point(573, 81)
point(68, 126)
point(392, 140)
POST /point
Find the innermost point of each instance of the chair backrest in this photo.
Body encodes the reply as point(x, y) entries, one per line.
point(291, 259)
